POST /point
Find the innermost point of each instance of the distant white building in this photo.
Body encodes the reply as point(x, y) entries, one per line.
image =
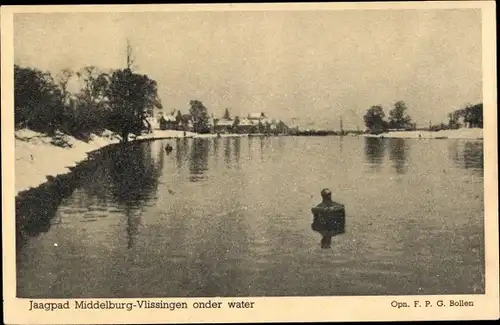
point(246, 122)
point(223, 125)
point(168, 121)
point(257, 117)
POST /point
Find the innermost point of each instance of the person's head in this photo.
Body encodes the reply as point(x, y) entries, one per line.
point(326, 194)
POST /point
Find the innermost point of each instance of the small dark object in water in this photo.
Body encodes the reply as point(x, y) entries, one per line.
point(168, 148)
point(329, 218)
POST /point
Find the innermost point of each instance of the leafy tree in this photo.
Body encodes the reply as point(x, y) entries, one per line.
point(227, 116)
point(130, 97)
point(374, 118)
point(92, 108)
point(473, 115)
point(397, 117)
point(38, 102)
point(454, 119)
point(199, 116)
point(95, 84)
point(119, 101)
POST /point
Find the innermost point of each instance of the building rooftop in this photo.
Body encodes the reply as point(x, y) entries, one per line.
point(224, 122)
point(256, 116)
point(169, 118)
point(246, 122)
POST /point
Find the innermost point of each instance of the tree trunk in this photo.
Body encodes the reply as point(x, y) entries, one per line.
point(150, 128)
point(124, 135)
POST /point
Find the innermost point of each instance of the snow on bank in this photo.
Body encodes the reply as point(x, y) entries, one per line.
point(38, 157)
point(162, 134)
point(165, 134)
point(222, 135)
point(473, 133)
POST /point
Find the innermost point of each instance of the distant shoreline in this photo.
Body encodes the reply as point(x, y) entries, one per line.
point(465, 133)
point(35, 151)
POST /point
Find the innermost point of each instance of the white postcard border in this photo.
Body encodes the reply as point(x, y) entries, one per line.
point(266, 309)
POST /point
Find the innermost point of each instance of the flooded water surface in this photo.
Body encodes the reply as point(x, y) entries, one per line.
point(231, 217)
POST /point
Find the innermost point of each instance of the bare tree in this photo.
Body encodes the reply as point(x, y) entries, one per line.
point(95, 84)
point(63, 78)
point(130, 56)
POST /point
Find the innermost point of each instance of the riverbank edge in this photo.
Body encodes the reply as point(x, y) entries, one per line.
point(464, 134)
point(62, 169)
point(83, 150)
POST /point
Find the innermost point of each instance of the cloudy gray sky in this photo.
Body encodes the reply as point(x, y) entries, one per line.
point(314, 66)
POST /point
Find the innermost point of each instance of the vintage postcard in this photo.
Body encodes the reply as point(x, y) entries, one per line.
point(242, 163)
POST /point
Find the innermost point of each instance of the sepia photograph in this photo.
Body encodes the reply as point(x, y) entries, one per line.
point(249, 152)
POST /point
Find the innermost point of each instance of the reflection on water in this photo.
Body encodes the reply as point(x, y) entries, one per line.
point(397, 154)
point(374, 151)
point(216, 144)
point(264, 144)
point(198, 163)
point(234, 220)
point(134, 174)
point(237, 149)
point(227, 151)
point(35, 212)
point(181, 150)
point(468, 154)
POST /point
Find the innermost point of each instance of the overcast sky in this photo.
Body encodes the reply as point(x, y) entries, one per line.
point(315, 66)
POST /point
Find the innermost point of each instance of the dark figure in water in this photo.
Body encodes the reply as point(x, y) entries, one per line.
point(168, 148)
point(329, 218)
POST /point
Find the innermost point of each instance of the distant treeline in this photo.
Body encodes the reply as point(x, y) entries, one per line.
point(470, 116)
point(375, 120)
point(118, 100)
